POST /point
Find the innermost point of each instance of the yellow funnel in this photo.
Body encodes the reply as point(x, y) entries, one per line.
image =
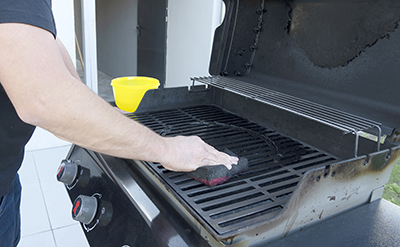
point(129, 91)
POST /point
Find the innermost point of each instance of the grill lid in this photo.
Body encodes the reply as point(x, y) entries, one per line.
point(301, 48)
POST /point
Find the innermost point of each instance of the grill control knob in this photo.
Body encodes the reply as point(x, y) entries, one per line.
point(84, 209)
point(67, 172)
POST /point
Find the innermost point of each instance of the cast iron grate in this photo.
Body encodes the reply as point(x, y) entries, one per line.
point(276, 165)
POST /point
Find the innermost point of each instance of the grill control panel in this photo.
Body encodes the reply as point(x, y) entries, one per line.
point(106, 215)
point(89, 210)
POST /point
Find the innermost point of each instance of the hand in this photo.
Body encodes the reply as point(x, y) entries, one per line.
point(188, 153)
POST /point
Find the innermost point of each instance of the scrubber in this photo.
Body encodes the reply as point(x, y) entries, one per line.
point(217, 174)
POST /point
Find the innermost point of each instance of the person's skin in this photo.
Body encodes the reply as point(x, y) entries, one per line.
point(42, 84)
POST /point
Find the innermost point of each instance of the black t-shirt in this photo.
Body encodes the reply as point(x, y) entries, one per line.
point(14, 133)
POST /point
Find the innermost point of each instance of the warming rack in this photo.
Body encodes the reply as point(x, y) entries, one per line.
point(346, 122)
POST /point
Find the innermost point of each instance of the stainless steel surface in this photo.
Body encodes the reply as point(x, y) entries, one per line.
point(348, 123)
point(155, 219)
point(129, 185)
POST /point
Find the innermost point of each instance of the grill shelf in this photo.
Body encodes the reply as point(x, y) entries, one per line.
point(348, 123)
point(276, 165)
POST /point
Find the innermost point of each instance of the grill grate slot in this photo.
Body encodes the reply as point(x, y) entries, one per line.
point(276, 165)
point(346, 122)
point(220, 196)
point(251, 216)
point(258, 203)
point(236, 200)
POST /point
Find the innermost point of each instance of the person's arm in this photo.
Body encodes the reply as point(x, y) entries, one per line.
point(36, 73)
point(67, 59)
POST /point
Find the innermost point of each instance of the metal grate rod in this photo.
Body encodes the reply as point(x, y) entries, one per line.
point(346, 122)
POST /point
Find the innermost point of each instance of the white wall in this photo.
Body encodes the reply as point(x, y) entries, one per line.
point(190, 32)
point(191, 26)
point(117, 37)
point(64, 17)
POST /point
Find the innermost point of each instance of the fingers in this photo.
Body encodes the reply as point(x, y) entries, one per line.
point(189, 153)
point(217, 158)
point(220, 158)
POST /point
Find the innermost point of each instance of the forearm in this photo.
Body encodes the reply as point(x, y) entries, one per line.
point(96, 125)
point(45, 92)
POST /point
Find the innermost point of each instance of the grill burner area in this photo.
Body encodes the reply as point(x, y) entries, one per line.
point(276, 165)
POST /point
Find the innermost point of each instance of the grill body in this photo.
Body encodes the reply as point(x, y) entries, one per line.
point(308, 98)
point(290, 184)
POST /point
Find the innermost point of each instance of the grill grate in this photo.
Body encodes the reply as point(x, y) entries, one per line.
point(346, 122)
point(276, 164)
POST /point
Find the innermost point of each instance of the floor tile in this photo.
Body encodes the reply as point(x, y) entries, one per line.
point(27, 172)
point(34, 217)
point(43, 239)
point(42, 139)
point(58, 204)
point(70, 236)
point(47, 162)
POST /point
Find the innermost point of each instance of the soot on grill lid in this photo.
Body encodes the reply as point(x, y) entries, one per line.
point(341, 54)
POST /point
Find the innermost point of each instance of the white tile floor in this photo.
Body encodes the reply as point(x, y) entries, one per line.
point(45, 206)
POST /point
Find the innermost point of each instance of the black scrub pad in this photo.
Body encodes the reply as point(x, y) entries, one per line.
point(213, 175)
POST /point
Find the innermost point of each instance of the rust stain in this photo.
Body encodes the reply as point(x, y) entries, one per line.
point(377, 163)
point(355, 192)
point(320, 215)
point(229, 240)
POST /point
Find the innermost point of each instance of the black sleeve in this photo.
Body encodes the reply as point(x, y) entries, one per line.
point(33, 12)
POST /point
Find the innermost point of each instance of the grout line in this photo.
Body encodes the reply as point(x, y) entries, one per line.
point(64, 226)
point(41, 191)
point(47, 148)
point(54, 237)
point(36, 233)
point(44, 199)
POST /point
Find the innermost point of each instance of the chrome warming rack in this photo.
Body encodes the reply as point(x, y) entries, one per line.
point(346, 122)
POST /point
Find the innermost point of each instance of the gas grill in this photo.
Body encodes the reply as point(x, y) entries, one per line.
point(309, 101)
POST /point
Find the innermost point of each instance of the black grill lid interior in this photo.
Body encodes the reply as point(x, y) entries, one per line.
point(341, 54)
